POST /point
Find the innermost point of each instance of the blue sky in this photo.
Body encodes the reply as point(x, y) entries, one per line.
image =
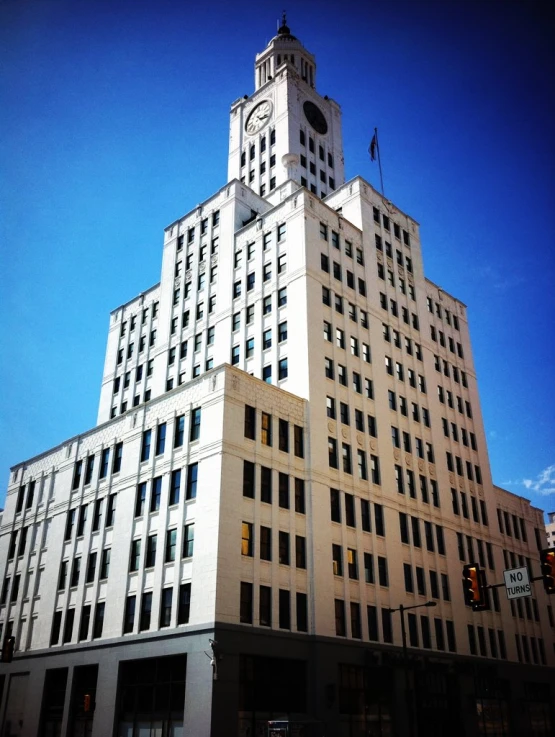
point(114, 122)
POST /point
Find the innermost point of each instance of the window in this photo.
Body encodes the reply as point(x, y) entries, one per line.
point(194, 432)
point(265, 606)
point(302, 612)
point(250, 422)
point(111, 510)
point(282, 331)
point(375, 469)
point(134, 557)
point(146, 610)
point(383, 577)
point(150, 551)
point(171, 542)
point(335, 505)
point(246, 601)
point(352, 566)
point(300, 551)
point(284, 490)
point(184, 605)
point(75, 484)
point(166, 607)
point(192, 476)
point(299, 496)
point(283, 370)
point(129, 616)
point(266, 429)
point(249, 348)
point(160, 438)
point(188, 540)
point(145, 446)
point(298, 437)
point(283, 541)
point(248, 479)
point(155, 494)
point(265, 543)
point(337, 560)
point(105, 563)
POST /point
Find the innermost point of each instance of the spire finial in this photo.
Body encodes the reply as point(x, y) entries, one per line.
point(283, 30)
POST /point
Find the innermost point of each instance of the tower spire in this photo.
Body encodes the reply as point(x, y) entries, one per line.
point(284, 30)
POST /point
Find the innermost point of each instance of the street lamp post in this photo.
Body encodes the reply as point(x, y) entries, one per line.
point(402, 609)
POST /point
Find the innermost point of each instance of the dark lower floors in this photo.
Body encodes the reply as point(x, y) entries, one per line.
point(231, 682)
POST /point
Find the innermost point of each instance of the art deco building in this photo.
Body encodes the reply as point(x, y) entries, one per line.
point(289, 445)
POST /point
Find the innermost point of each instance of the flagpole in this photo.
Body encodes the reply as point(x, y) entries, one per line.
point(379, 160)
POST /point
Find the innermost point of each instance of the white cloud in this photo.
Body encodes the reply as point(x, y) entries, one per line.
point(544, 483)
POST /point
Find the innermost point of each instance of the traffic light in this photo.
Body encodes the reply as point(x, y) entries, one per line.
point(87, 703)
point(474, 587)
point(8, 648)
point(547, 560)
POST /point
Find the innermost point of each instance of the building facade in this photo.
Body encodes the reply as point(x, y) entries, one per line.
point(550, 529)
point(289, 446)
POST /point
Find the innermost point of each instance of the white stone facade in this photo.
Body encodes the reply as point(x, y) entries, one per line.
point(324, 302)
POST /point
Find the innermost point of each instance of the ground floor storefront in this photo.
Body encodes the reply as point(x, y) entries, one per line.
point(226, 682)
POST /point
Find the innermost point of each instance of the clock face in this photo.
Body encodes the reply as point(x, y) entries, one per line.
point(259, 117)
point(315, 117)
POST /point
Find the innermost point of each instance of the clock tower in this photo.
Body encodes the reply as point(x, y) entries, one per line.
point(285, 129)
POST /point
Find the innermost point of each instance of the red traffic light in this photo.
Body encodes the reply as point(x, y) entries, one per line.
point(547, 560)
point(474, 587)
point(87, 703)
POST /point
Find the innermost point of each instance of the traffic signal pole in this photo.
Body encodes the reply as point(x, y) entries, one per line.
point(408, 691)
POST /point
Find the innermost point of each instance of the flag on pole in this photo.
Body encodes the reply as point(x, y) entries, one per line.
point(372, 148)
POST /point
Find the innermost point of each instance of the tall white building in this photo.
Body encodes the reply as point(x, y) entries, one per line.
point(289, 445)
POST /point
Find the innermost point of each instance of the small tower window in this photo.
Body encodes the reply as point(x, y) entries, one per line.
point(279, 59)
point(272, 137)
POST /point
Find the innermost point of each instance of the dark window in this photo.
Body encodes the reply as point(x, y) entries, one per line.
point(129, 616)
point(245, 604)
point(145, 447)
point(284, 609)
point(248, 479)
point(194, 432)
point(98, 619)
point(299, 496)
point(192, 476)
point(284, 435)
point(155, 494)
point(265, 608)
point(146, 611)
point(284, 490)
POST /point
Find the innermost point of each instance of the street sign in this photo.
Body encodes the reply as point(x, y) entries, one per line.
point(517, 583)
